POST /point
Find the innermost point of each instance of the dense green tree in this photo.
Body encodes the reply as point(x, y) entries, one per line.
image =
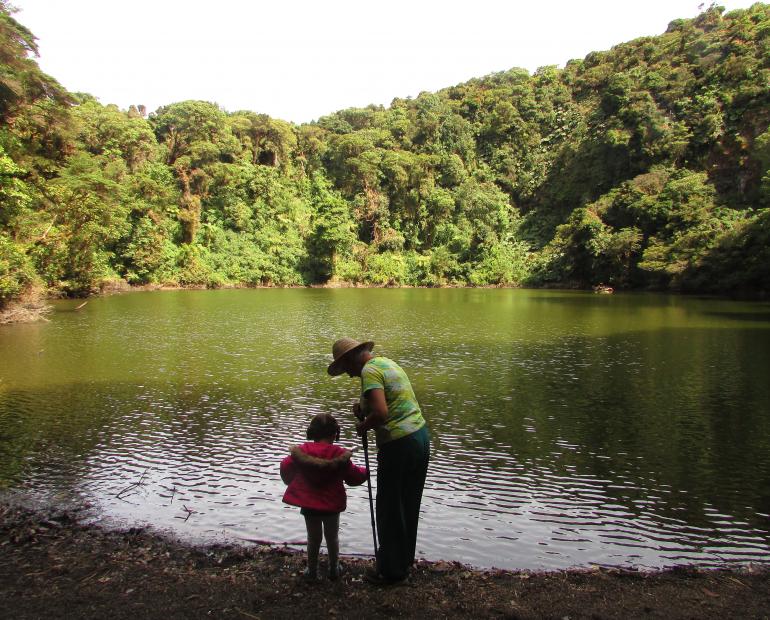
point(106, 130)
point(15, 194)
point(268, 141)
point(21, 81)
point(89, 218)
point(332, 235)
point(16, 270)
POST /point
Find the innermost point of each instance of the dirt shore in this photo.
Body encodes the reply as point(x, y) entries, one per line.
point(53, 566)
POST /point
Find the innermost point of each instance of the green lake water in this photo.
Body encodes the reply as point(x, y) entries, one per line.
point(568, 428)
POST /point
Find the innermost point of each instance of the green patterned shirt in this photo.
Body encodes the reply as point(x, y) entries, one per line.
point(404, 415)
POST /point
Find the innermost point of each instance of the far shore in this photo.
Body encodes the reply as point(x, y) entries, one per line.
point(36, 306)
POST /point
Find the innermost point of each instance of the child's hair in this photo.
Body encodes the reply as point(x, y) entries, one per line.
point(323, 426)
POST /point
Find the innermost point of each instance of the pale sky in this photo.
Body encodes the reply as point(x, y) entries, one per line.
point(301, 59)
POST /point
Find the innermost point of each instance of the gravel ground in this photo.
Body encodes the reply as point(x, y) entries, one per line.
point(53, 566)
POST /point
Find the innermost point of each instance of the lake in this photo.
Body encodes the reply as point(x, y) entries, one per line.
point(569, 428)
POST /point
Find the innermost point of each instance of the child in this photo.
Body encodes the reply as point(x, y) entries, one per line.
point(315, 472)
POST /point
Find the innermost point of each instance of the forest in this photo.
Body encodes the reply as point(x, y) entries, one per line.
point(646, 166)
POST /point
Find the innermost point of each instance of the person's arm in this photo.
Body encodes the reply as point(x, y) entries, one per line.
point(355, 475)
point(288, 470)
point(377, 408)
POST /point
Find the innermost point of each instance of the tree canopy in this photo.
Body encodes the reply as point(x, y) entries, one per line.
point(643, 166)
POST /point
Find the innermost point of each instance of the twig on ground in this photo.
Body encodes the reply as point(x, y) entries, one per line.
point(740, 583)
point(82, 581)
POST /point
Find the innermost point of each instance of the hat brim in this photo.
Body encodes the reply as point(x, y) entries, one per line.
point(335, 368)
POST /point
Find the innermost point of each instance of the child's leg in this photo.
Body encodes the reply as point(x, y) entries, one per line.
point(314, 535)
point(331, 534)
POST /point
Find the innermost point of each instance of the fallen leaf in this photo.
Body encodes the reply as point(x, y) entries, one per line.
point(441, 567)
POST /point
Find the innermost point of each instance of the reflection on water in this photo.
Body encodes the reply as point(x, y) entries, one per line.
point(568, 428)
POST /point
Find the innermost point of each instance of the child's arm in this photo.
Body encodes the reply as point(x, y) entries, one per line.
point(288, 470)
point(355, 475)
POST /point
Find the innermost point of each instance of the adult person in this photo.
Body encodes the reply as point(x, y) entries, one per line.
point(388, 405)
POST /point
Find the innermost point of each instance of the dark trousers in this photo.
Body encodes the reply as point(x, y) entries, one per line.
point(402, 465)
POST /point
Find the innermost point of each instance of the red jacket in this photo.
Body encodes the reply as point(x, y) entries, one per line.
point(315, 472)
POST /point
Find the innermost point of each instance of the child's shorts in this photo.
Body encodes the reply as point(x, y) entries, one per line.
point(309, 512)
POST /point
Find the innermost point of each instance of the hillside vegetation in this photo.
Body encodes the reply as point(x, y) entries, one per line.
point(645, 166)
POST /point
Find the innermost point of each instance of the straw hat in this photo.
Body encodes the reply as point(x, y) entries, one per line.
point(343, 347)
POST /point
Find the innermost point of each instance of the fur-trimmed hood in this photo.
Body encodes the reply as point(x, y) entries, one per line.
point(315, 472)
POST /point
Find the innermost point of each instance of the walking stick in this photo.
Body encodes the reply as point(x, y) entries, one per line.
point(369, 485)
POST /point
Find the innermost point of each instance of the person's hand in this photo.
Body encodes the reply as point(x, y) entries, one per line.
point(361, 428)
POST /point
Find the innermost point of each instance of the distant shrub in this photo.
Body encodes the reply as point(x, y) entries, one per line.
point(504, 263)
point(193, 268)
point(387, 268)
point(16, 270)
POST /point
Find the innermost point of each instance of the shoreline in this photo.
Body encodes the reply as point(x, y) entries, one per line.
point(38, 306)
point(53, 565)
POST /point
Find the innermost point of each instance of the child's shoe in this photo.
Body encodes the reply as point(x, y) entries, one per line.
point(335, 572)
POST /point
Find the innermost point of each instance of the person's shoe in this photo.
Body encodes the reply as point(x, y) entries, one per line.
point(335, 572)
point(378, 579)
point(308, 575)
